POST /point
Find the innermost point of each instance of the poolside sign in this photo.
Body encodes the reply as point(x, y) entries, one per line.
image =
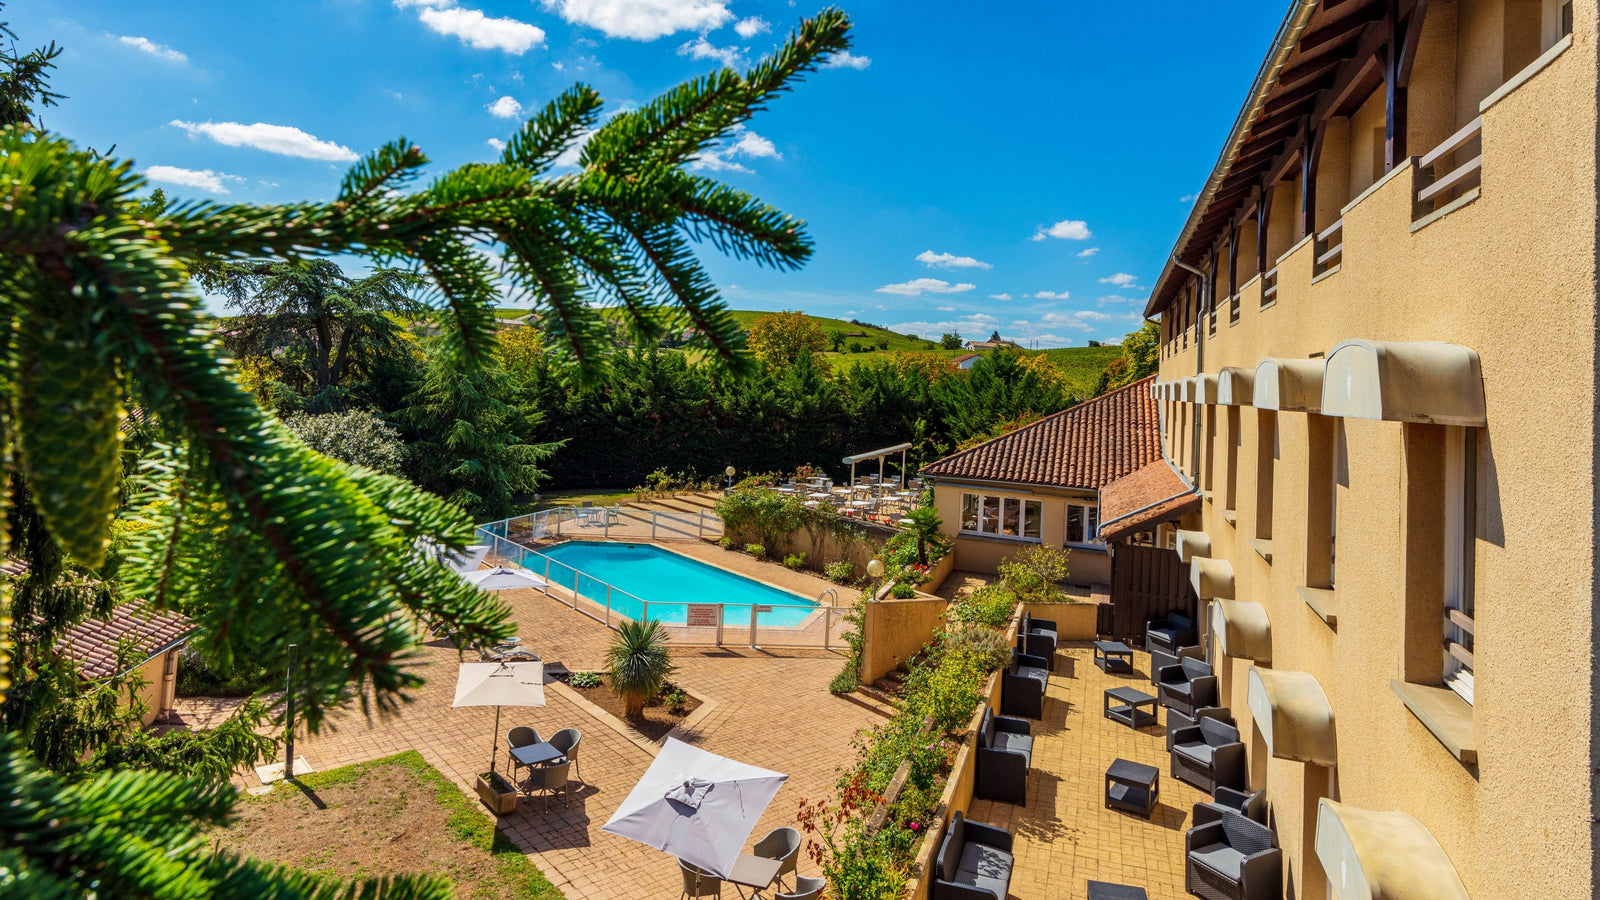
point(763, 609)
point(702, 615)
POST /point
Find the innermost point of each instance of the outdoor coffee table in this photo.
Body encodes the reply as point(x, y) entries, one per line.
point(1129, 710)
point(536, 754)
point(1105, 890)
point(1113, 656)
point(1132, 786)
point(754, 871)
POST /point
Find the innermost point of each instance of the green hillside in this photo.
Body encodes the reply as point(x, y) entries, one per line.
point(866, 335)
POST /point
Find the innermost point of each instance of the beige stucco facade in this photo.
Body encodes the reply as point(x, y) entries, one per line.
point(1088, 564)
point(1509, 273)
point(159, 675)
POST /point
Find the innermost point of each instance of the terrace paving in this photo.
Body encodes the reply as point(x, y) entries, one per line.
point(767, 708)
point(1065, 836)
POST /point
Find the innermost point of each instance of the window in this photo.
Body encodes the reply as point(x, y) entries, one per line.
point(1083, 523)
point(1326, 471)
point(1001, 516)
point(1460, 515)
point(1555, 22)
point(1266, 457)
point(1230, 496)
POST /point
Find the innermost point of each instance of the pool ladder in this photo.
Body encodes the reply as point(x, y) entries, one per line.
point(830, 592)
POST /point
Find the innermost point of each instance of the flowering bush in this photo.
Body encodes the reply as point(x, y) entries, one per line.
point(840, 571)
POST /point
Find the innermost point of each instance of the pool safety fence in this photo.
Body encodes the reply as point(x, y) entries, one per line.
point(713, 624)
point(618, 522)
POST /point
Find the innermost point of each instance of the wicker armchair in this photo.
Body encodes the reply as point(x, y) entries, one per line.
point(1209, 755)
point(1233, 858)
point(1005, 751)
point(1168, 633)
point(1022, 686)
point(1177, 720)
point(1037, 637)
point(1160, 659)
point(1227, 801)
point(1186, 687)
point(974, 862)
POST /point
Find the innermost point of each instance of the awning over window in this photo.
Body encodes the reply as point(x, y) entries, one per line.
point(1205, 388)
point(1192, 544)
point(1291, 385)
point(1382, 856)
point(1242, 629)
point(1293, 716)
point(1186, 390)
point(1405, 381)
point(1233, 386)
point(1211, 578)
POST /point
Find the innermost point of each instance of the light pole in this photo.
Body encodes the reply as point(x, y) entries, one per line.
point(729, 472)
point(875, 570)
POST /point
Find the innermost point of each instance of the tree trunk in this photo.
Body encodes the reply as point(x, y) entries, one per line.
point(634, 704)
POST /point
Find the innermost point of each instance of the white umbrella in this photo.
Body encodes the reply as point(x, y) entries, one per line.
point(499, 684)
point(697, 806)
point(469, 560)
point(501, 578)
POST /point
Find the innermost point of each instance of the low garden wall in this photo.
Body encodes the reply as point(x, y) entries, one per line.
point(940, 571)
point(894, 630)
point(1074, 621)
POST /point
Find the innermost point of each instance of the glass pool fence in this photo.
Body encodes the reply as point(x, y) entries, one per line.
point(822, 625)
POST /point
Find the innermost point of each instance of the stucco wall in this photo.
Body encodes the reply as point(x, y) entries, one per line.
point(981, 553)
point(1511, 275)
point(895, 630)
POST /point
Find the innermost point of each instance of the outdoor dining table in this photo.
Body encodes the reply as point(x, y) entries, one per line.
point(754, 871)
point(537, 754)
point(819, 495)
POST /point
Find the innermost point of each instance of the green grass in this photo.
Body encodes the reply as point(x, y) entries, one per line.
point(466, 823)
point(865, 335)
point(597, 496)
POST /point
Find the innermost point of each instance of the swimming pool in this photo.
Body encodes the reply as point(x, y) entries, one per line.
point(667, 582)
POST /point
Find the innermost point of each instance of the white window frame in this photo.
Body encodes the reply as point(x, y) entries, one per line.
point(1091, 523)
point(1460, 515)
point(1002, 504)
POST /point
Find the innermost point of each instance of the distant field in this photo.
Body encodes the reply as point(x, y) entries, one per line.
point(864, 335)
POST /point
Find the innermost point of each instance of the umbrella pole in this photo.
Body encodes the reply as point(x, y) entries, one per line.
point(494, 741)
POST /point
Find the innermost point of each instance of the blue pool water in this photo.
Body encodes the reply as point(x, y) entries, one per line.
point(666, 581)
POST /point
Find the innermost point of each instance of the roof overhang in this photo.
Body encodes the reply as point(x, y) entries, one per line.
point(1211, 578)
point(1431, 382)
point(1242, 629)
point(1205, 387)
point(1382, 856)
point(1186, 390)
point(875, 454)
point(1192, 544)
point(1293, 715)
point(1234, 386)
point(1288, 385)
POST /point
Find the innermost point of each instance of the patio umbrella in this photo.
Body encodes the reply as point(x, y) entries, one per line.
point(465, 561)
point(499, 684)
point(697, 806)
point(501, 578)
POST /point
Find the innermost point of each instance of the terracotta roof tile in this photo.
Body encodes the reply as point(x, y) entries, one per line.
point(93, 642)
point(1134, 502)
point(1087, 446)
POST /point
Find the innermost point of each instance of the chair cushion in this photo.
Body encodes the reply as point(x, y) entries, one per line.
point(1218, 732)
point(990, 862)
point(1195, 668)
point(1015, 743)
point(1040, 675)
point(995, 886)
point(1219, 858)
point(950, 854)
point(1181, 688)
point(1200, 753)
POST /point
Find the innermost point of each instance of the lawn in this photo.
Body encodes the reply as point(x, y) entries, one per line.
point(391, 816)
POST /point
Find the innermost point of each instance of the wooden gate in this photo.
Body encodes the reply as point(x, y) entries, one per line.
point(1146, 583)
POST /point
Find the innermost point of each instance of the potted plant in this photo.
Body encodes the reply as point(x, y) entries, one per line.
point(497, 793)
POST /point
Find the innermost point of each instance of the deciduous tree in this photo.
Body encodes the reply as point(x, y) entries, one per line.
point(782, 337)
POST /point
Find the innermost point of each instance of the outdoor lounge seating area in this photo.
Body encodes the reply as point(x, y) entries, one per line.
point(547, 762)
point(871, 498)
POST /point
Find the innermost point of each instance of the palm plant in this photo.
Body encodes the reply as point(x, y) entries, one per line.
point(925, 524)
point(290, 546)
point(639, 663)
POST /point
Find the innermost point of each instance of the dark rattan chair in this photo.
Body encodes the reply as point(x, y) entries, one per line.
point(783, 845)
point(521, 736)
point(974, 862)
point(1227, 801)
point(1037, 637)
point(567, 741)
point(1187, 686)
point(1209, 755)
point(1233, 858)
point(1005, 752)
point(1168, 633)
point(1022, 686)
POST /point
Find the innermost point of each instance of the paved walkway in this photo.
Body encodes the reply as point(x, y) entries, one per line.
point(771, 709)
point(1065, 836)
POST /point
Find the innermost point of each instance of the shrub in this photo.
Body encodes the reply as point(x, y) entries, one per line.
point(902, 591)
point(847, 680)
point(639, 662)
point(992, 606)
point(727, 543)
point(988, 645)
point(1033, 573)
point(676, 700)
point(585, 679)
point(755, 550)
point(840, 571)
point(795, 561)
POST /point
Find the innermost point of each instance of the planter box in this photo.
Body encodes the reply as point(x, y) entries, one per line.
point(499, 795)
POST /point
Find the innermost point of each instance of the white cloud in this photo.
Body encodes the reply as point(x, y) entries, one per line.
point(204, 179)
point(475, 29)
point(1117, 298)
point(1049, 329)
point(844, 59)
point(746, 144)
point(949, 261)
point(881, 306)
point(643, 20)
point(700, 48)
point(947, 309)
point(999, 296)
point(1050, 295)
point(284, 140)
point(497, 144)
point(505, 108)
point(159, 51)
point(1066, 230)
point(1121, 279)
point(1085, 254)
point(916, 287)
point(749, 28)
point(1187, 198)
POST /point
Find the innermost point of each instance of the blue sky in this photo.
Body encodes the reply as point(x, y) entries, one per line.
point(1021, 167)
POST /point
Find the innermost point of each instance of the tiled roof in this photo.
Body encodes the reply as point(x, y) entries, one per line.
point(1149, 496)
point(1087, 446)
point(93, 643)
